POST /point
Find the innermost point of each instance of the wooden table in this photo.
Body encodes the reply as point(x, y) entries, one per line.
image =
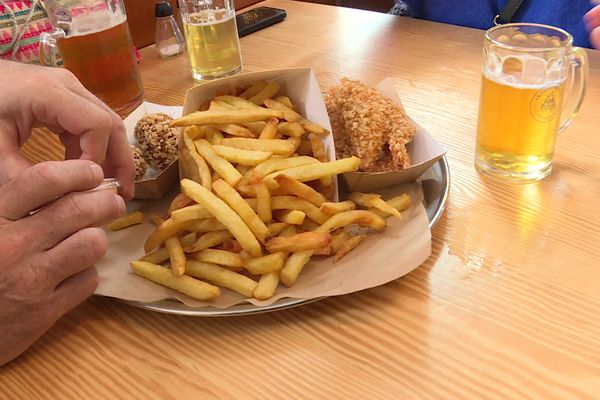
point(507, 306)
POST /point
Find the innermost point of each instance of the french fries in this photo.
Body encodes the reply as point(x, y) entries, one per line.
point(242, 157)
point(221, 276)
point(299, 242)
point(176, 255)
point(126, 221)
point(255, 203)
point(184, 284)
point(223, 213)
point(265, 264)
point(300, 190)
point(374, 201)
point(220, 257)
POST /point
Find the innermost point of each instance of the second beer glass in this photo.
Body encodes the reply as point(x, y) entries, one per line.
point(211, 38)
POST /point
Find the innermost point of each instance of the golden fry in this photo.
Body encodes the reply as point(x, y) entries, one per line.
point(338, 239)
point(223, 213)
point(275, 146)
point(241, 156)
point(286, 101)
point(218, 163)
point(299, 242)
point(190, 213)
point(208, 240)
point(235, 130)
point(277, 227)
point(180, 201)
point(374, 201)
point(293, 129)
point(176, 255)
point(161, 255)
point(126, 221)
point(336, 208)
point(221, 276)
point(246, 213)
point(237, 102)
point(184, 284)
point(202, 169)
point(300, 190)
point(317, 148)
point(156, 219)
point(263, 202)
point(233, 246)
point(270, 90)
point(359, 217)
point(265, 264)
point(314, 171)
point(205, 225)
point(293, 266)
point(256, 127)
point(295, 203)
point(400, 203)
point(213, 135)
point(270, 130)
point(227, 117)
point(288, 114)
point(293, 217)
point(254, 89)
point(278, 164)
point(193, 132)
point(220, 257)
point(314, 128)
point(267, 285)
point(348, 246)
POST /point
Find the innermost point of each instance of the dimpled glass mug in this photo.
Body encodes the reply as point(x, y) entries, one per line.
point(93, 40)
point(532, 76)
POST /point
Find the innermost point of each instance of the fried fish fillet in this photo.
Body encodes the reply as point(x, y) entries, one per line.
point(370, 126)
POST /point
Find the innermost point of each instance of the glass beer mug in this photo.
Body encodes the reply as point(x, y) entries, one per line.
point(93, 41)
point(532, 76)
point(211, 38)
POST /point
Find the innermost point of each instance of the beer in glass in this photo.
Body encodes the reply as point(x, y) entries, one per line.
point(94, 43)
point(211, 38)
point(525, 79)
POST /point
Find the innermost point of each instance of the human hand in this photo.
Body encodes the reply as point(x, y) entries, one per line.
point(46, 259)
point(592, 23)
point(53, 97)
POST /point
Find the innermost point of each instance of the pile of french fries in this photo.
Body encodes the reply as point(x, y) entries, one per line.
point(256, 201)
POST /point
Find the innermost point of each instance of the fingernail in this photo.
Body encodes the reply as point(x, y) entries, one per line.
point(120, 203)
point(97, 171)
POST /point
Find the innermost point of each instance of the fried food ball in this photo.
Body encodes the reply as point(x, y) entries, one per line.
point(157, 140)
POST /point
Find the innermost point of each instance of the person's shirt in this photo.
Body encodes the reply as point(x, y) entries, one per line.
point(565, 14)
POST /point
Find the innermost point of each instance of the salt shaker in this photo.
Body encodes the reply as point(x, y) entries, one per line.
point(169, 40)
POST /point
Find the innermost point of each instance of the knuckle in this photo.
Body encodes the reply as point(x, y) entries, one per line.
point(46, 173)
point(74, 206)
point(64, 74)
point(95, 240)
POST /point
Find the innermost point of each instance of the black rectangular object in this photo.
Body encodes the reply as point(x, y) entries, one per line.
point(258, 18)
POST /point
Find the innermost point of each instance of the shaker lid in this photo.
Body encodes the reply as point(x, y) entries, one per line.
point(163, 9)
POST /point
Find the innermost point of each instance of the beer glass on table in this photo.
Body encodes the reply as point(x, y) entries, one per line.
point(532, 87)
point(211, 38)
point(93, 41)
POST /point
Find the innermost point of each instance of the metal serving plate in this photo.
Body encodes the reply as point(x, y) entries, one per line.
point(436, 187)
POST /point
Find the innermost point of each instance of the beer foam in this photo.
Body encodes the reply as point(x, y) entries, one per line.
point(523, 71)
point(210, 17)
point(96, 22)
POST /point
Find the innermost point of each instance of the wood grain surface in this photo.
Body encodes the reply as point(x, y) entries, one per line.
point(506, 307)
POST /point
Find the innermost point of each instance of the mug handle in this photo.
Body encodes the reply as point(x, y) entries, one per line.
point(48, 40)
point(577, 85)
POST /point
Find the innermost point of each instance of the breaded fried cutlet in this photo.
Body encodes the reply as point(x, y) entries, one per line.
point(370, 126)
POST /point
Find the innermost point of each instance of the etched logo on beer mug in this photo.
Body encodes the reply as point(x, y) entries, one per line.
point(524, 75)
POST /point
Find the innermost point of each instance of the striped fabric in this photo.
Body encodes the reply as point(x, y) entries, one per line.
point(28, 44)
